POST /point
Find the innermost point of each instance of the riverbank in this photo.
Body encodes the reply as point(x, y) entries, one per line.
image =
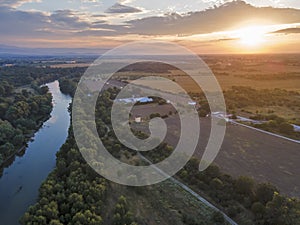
point(31, 166)
point(28, 138)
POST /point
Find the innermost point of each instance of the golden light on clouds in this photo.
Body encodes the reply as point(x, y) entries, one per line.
point(250, 38)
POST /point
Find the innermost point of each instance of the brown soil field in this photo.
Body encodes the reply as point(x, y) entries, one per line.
point(261, 156)
point(245, 152)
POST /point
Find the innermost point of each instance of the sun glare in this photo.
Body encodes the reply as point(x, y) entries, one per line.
point(251, 36)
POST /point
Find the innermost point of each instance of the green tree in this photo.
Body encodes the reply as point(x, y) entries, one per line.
point(18, 110)
point(18, 140)
point(265, 192)
point(6, 131)
point(258, 209)
point(218, 218)
point(122, 214)
point(55, 222)
point(245, 185)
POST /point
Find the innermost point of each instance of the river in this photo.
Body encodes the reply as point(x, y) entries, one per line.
point(20, 182)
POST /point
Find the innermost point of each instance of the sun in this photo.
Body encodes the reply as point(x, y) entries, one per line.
point(251, 36)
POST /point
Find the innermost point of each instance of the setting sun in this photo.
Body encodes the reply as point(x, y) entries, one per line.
point(251, 36)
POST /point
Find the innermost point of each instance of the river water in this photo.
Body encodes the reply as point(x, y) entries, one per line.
point(20, 182)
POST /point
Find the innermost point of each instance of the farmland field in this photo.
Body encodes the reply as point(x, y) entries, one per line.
point(244, 152)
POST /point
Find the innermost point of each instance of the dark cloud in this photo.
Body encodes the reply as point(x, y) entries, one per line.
point(99, 22)
point(288, 31)
point(98, 16)
point(67, 19)
point(224, 39)
point(119, 8)
point(14, 22)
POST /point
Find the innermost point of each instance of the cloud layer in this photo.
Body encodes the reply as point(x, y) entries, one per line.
point(119, 8)
point(67, 24)
point(212, 20)
point(288, 31)
point(14, 3)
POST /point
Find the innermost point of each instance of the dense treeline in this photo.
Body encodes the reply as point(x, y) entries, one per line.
point(24, 105)
point(72, 194)
point(21, 113)
point(23, 75)
point(239, 97)
point(122, 214)
point(243, 195)
point(275, 124)
point(68, 86)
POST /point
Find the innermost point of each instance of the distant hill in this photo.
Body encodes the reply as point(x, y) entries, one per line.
point(14, 50)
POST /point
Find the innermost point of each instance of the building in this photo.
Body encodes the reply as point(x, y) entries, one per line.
point(138, 119)
point(296, 128)
point(135, 100)
point(192, 103)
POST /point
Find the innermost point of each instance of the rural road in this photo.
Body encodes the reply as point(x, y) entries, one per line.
point(189, 190)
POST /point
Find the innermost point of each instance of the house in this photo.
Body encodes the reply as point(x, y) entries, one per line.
point(135, 100)
point(296, 128)
point(138, 119)
point(192, 103)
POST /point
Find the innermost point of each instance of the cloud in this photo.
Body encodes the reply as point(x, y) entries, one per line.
point(216, 19)
point(60, 24)
point(15, 3)
point(119, 8)
point(224, 39)
point(98, 16)
point(288, 31)
point(68, 24)
point(125, 1)
point(67, 19)
point(88, 1)
point(14, 22)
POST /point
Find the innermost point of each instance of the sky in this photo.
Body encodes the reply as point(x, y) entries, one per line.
point(204, 26)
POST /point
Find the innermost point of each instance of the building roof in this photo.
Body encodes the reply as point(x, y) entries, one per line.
point(135, 100)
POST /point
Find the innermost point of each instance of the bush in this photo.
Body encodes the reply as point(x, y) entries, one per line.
point(258, 209)
point(218, 218)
